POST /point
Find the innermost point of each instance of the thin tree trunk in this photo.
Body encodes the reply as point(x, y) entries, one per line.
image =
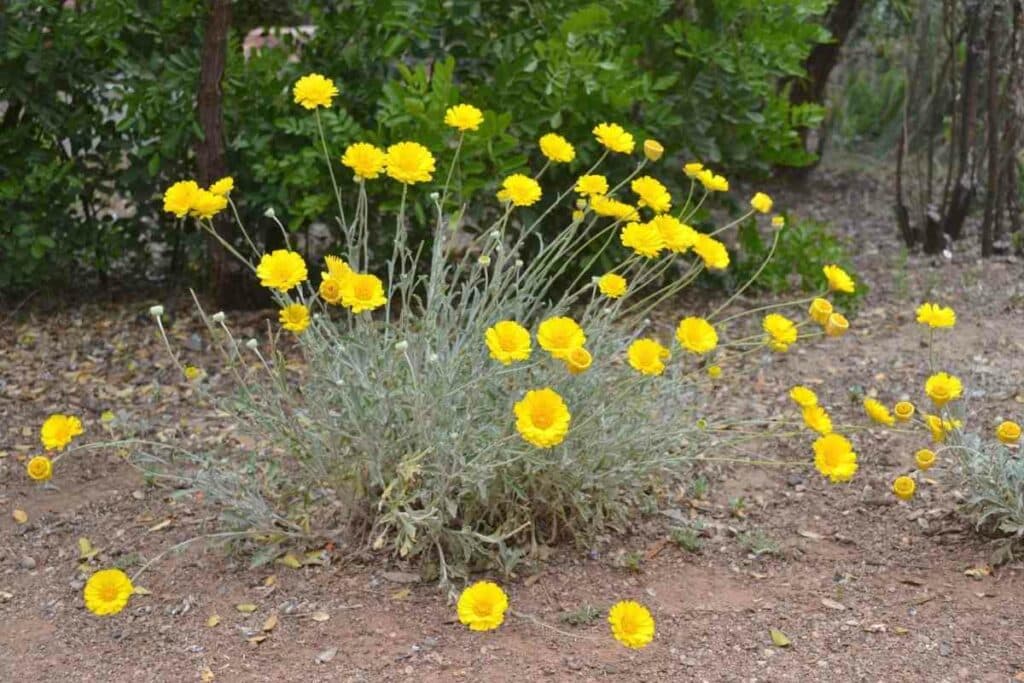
point(989, 226)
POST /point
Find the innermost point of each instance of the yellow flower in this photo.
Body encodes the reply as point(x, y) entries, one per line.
point(834, 458)
point(577, 216)
point(652, 194)
point(508, 341)
point(820, 310)
point(365, 160)
point(648, 356)
point(314, 91)
point(643, 238)
point(578, 360)
point(1008, 432)
point(778, 222)
point(713, 252)
point(904, 410)
point(337, 268)
point(693, 168)
point(107, 592)
point(836, 325)
point(934, 315)
point(519, 189)
point(58, 431)
point(223, 186)
point(924, 459)
point(362, 292)
point(817, 420)
point(803, 396)
point(761, 203)
point(463, 117)
point(591, 185)
point(712, 182)
point(206, 204)
point(409, 163)
point(558, 336)
point(632, 624)
point(904, 487)
point(877, 411)
point(39, 468)
point(612, 208)
point(943, 388)
point(780, 331)
point(542, 418)
point(937, 427)
point(178, 197)
point(281, 270)
point(294, 318)
point(677, 236)
point(614, 138)
point(192, 373)
point(838, 279)
point(330, 290)
point(612, 285)
point(696, 335)
point(482, 606)
point(653, 150)
point(557, 149)
point(715, 371)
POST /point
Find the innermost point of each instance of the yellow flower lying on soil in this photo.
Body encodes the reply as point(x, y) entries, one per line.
point(294, 318)
point(281, 270)
point(904, 487)
point(39, 468)
point(647, 356)
point(614, 138)
point(631, 623)
point(877, 411)
point(834, 458)
point(58, 431)
point(463, 117)
point(314, 91)
point(482, 606)
point(508, 341)
point(557, 149)
point(107, 592)
point(542, 418)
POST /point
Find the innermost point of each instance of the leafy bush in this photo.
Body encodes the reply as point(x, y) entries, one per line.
point(993, 480)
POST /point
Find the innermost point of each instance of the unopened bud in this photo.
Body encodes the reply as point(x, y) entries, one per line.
point(252, 344)
point(219, 317)
point(269, 213)
point(485, 260)
point(653, 150)
point(402, 345)
point(157, 310)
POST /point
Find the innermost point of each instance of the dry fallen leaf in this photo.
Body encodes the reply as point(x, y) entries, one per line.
point(876, 628)
point(5, 596)
point(290, 560)
point(213, 620)
point(320, 616)
point(270, 580)
point(270, 623)
point(810, 534)
point(978, 572)
point(326, 655)
point(20, 516)
point(139, 590)
point(779, 639)
point(256, 640)
point(832, 604)
point(86, 551)
point(246, 607)
point(401, 594)
point(900, 631)
point(206, 676)
point(161, 526)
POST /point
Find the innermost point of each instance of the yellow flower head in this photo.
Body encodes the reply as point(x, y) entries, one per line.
point(365, 160)
point(557, 149)
point(904, 410)
point(803, 396)
point(714, 371)
point(696, 335)
point(653, 150)
point(463, 117)
point(647, 356)
point(614, 138)
point(632, 624)
point(817, 420)
point(107, 592)
point(58, 431)
point(713, 252)
point(314, 91)
point(1008, 432)
point(362, 292)
point(558, 336)
point(677, 236)
point(330, 290)
point(820, 310)
point(612, 285)
point(834, 458)
point(294, 318)
point(578, 360)
point(836, 325)
point(761, 203)
point(521, 190)
point(192, 373)
point(924, 459)
point(643, 238)
point(281, 270)
point(39, 468)
point(409, 163)
point(693, 168)
point(712, 182)
point(223, 186)
point(337, 268)
point(838, 279)
point(613, 208)
point(482, 606)
point(508, 341)
point(179, 196)
point(206, 204)
point(935, 316)
point(904, 487)
point(652, 194)
point(778, 222)
point(937, 427)
point(591, 185)
point(780, 331)
point(542, 418)
point(943, 388)
point(878, 412)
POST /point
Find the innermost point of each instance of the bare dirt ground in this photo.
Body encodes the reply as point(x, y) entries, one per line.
point(865, 588)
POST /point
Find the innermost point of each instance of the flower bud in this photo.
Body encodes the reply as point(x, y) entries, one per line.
point(433, 357)
point(402, 345)
point(269, 213)
point(904, 410)
point(519, 263)
point(484, 260)
point(252, 344)
point(219, 317)
point(156, 311)
point(434, 196)
point(778, 222)
point(653, 150)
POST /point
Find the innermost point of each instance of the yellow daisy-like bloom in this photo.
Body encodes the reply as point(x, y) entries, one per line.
point(647, 356)
point(712, 182)
point(223, 186)
point(314, 91)
point(693, 168)
point(519, 189)
point(761, 203)
point(937, 427)
point(482, 606)
point(614, 138)
point(558, 336)
point(39, 468)
point(508, 341)
point(878, 412)
point(817, 420)
point(778, 222)
point(904, 487)
point(820, 310)
point(206, 204)
point(463, 117)
point(612, 285)
point(696, 335)
point(713, 252)
point(904, 410)
point(578, 360)
point(924, 459)
point(653, 150)
point(557, 149)
point(591, 185)
point(715, 371)
point(107, 592)
point(542, 418)
point(179, 196)
point(363, 292)
point(365, 160)
point(643, 238)
point(836, 325)
point(677, 236)
point(943, 388)
point(834, 458)
point(838, 279)
point(613, 208)
point(652, 194)
point(58, 431)
point(1008, 432)
point(803, 396)
point(281, 270)
point(330, 290)
point(337, 268)
point(780, 331)
point(935, 316)
point(192, 373)
point(409, 163)
point(294, 318)
point(631, 623)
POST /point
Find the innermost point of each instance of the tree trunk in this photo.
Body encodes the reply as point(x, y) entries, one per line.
point(990, 225)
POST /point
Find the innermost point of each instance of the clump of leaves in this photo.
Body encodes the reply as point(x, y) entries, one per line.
point(687, 538)
point(582, 616)
point(993, 479)
point(758, 543)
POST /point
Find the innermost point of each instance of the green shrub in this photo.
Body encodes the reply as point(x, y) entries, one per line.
point(993, 482)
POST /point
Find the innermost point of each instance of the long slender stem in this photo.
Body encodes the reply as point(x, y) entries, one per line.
point(330, 168)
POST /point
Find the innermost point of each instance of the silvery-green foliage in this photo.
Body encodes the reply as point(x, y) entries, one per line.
point(993, 481)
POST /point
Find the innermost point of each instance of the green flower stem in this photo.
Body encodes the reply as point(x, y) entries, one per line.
point(330, 168)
